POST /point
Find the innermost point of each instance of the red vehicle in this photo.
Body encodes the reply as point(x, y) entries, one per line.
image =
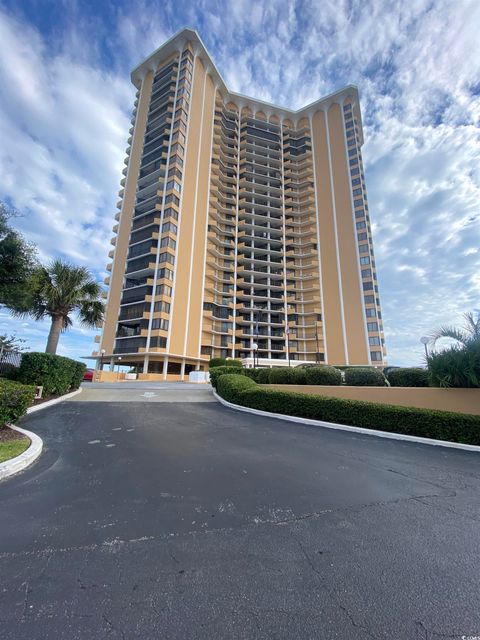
point(88, 375)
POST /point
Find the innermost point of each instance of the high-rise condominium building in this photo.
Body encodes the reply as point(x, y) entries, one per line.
point(243, 228)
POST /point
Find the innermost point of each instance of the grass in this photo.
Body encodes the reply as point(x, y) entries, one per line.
point(12, 448)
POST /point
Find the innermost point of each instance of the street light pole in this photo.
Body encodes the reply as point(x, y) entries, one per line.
point(424, 340)
point(102, 353)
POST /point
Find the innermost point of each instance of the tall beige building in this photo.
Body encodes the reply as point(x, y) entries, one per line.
point(243, 228)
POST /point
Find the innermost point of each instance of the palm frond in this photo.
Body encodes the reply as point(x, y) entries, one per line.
point(449, 332)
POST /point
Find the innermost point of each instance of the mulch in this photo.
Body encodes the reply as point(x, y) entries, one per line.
point(9, 434)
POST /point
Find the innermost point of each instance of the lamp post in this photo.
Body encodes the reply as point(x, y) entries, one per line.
point(255, 351)
point(102, 353)
point(424, 340)
point(119, 362)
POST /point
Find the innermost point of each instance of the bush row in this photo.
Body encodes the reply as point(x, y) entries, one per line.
point(442, 425)
point(408, 377)
point(223, 362)
point(55, 374)
point(15, 399)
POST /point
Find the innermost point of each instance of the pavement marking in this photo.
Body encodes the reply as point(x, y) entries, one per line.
point(148, 394)
point(117, 429)
point(133, 429)
point(109, 445)
point(93, 441)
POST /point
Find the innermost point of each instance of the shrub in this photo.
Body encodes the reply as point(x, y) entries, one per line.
point(15, 399)
point(456, 366)
point(55, 374)
point(217, 362)
point(442, 425)
point(251, 373)
point(299, 375)
point(78, 373)
point(263, 376)
point(230, 362)
point(323, 375)
point(408, 377)
point(9, 371)
point(364, 377)
point(281, 375)
point(216, 372)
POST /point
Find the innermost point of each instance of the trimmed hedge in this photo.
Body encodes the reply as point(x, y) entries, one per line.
point(217, 362)
point(323, 375)
point(442, 425)
point(263, 376)
point(15, 399)
point(55, 374)
point(231, 362)
point(216, 372)
point(408, 377)
point(364, 377)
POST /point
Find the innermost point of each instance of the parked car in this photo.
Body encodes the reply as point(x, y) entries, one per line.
point(88, 375)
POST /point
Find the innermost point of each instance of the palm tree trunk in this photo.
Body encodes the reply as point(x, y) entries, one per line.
point(54, 335)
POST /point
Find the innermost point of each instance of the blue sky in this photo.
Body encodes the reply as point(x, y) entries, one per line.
point(66, 103)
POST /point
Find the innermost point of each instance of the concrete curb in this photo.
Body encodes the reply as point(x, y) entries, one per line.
point(50, 403)
point(25, 459)
point(344, 427)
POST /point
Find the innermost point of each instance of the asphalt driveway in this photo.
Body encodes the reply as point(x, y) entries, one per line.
point(153, 519)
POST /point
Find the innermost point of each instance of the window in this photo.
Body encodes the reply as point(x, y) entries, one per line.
point(376, 356)
point(363, 248)
point(359, 213)
point(351, 133)
point(366, 273)
point(374, 341)
point(348, 124)
point(356, 181)
point(370, 312)
point(162, 306)
point(354, 171)
point(168, 242)
point(163, 289)
point(361, 225)
point(160, 323)
point(357, 192)
point(171, 213)
point(362, 236)
point(172, 198)
point(172, 184)
point(166, 257)
point(353, 161)
point(364, 260)
point(369, 299)
point(368, 286)
point(169, 227)
point(165, 273)
point(372, 326)
point(347, 107)
point(356, 203)
point(352, 152)
point(158, 341)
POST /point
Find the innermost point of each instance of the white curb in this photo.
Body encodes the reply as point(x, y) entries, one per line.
point(49, 403)
point(25, 459)
point(344, 427)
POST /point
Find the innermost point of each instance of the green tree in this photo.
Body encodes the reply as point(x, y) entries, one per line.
point(465, 335)
point(11, 343)
point(59, 291)
point(18, 261)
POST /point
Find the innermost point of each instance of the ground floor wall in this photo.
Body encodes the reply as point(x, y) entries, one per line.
point(457, 400)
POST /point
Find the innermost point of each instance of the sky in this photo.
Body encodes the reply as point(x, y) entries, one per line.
point(66, 102)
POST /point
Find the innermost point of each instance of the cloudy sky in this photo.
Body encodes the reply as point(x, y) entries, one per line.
point(66, 100)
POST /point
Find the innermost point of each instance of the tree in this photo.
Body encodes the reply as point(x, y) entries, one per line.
point(60, 290)
point(465, 335)
point(11, 343)
point(18, 261)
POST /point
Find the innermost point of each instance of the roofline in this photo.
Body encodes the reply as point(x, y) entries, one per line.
point(187, 34)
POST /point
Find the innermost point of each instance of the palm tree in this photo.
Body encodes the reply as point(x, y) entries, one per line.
point(467, 334)
point(60, 290)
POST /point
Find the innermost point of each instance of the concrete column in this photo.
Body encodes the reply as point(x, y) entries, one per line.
point(145, 364)
point(182, 370)
point(165, 368)
point(112, 363)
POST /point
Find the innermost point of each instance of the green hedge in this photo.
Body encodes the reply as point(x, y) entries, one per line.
point(408, 377)
point(15, 399)
point(364, 377)
point(216, 372)
point(323, 375)
point(55, 374)
point(442, 425)
point(217, 362)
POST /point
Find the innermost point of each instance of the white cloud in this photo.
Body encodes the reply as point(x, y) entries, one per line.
point(64, 124)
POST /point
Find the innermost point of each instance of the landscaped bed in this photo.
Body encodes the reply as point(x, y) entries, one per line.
point(12, 443)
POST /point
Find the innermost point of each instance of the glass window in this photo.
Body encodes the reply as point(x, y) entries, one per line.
point(372, 326)
point(370, 312)
point(366, 273)
point(365, 260)
point(367, 286)
point(361, 224)
point(374, 341)
point(376, 356)
point(363, 248)
point(369, 299)
point(357, 192)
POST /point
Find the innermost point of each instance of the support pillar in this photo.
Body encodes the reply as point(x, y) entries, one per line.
point(145, 364)
point(165, 367)
point(182, 371)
